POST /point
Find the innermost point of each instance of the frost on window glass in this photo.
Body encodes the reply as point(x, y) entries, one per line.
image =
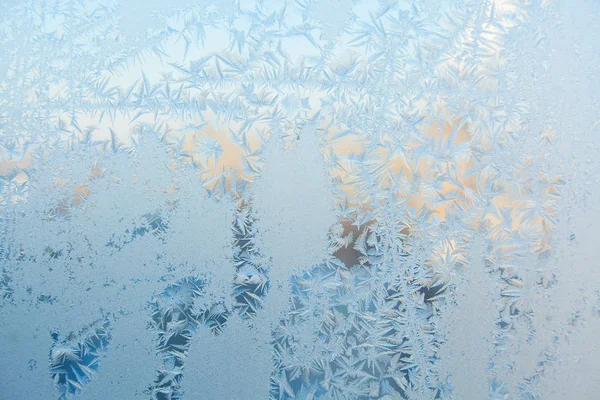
point(311, 199)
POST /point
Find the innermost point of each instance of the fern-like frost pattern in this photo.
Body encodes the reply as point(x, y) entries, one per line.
point(309, 199)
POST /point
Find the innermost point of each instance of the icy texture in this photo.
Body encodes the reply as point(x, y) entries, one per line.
point(299, 200)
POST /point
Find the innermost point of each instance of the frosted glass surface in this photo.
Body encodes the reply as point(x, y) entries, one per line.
point(309, 199)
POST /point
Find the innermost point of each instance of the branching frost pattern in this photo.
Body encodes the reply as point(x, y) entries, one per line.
point(354, 199)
